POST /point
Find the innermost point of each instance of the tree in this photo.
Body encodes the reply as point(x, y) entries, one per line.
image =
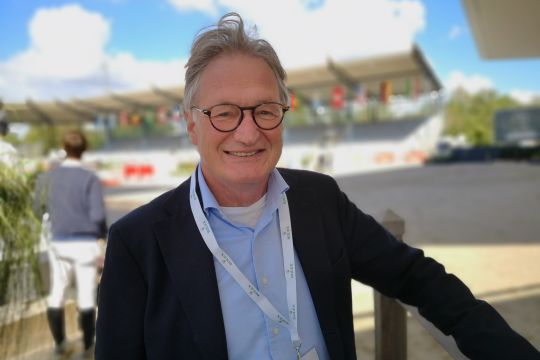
point(472, 115)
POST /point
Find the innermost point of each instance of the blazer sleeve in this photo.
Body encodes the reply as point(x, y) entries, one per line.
point(122, 298)
point(403, 272)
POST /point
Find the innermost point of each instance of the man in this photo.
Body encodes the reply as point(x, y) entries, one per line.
point(244, 261)
point(73, 198)
point(8, 153)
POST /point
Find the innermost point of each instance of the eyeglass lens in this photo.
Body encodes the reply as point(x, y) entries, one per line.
point(266, 116)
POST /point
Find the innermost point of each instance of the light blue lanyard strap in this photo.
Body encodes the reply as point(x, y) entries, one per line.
point(254, 294)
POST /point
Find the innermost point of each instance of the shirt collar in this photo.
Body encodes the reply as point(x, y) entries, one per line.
point(276, 186)
point(71, 162)
point(207, 198)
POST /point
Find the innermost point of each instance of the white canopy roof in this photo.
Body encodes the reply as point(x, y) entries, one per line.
point(403, 70)
point(505, 29)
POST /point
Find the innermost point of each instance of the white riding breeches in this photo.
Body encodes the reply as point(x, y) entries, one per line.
point(78, 258)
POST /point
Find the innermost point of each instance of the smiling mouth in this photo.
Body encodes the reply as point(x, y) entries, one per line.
point(243, 153)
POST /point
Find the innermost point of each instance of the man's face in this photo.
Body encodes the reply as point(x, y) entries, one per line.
point(247, 155)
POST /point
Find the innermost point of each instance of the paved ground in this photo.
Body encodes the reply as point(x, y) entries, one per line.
point(487, 203)
point(480, 220)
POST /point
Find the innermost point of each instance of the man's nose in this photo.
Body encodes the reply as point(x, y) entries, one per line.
point(247, 132)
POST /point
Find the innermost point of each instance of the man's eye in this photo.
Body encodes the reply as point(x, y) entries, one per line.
point(222, 115)
point(266, 114)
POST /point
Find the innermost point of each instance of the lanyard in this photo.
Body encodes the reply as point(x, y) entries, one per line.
point(289, 267)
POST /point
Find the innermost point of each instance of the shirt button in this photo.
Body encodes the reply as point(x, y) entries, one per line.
point(275, 331)
point(264, 280)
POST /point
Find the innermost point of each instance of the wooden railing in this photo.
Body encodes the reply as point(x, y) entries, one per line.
point(391, 315)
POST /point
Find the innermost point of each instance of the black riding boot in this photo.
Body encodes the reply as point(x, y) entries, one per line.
point(88, 325)
point(55, 318)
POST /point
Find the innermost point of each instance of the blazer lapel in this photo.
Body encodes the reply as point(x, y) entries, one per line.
point(310, 246)
point(191, 268)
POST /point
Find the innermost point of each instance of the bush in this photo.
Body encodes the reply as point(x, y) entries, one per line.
point(19, 237)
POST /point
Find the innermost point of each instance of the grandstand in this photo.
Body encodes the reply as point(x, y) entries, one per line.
point(387, 113)
point(408, 73)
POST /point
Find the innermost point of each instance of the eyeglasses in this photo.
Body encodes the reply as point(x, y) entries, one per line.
point(227, 117)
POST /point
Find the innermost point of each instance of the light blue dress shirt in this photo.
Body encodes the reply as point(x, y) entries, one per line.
point(257, 253)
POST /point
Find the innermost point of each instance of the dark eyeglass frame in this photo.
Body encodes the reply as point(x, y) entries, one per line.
point(208, 112)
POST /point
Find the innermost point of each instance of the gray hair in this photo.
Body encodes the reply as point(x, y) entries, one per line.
point(229, 36)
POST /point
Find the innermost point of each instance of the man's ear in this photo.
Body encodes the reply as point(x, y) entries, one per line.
point(191, 127)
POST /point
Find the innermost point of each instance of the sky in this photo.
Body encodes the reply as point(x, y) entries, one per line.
point(56, 49)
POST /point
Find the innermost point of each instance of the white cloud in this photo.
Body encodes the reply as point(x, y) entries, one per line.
point(471, 83)
point(67, 54)
point(124, 68)
point(306, 32)
point(524, 96)
point(66, 58)
point(455, 32)
point(205, 6)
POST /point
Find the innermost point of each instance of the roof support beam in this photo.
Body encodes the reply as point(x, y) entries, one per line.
point(94, 107)
point(424, 65)
point(340, 74)
point(167, 95)
point(301, 96)
point(305, 99)
point(71, 108)
point(390, 76)
point(129, 102)
point(364, 79)
point(40, 113)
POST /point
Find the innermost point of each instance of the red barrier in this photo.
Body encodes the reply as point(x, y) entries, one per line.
point(385, 157)
point(138, 170)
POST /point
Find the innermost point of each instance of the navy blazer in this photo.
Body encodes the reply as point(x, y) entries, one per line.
point(159, 297)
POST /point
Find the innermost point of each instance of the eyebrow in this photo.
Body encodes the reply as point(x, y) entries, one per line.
point(253, 104)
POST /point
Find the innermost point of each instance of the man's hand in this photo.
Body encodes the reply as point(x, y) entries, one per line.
point(100, 259)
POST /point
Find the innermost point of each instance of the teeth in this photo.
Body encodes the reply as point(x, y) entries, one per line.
point(242, 154)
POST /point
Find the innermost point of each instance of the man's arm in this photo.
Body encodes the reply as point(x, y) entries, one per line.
point(97, 206)
point(122, 299)
point(40, 195)
point(400, 271)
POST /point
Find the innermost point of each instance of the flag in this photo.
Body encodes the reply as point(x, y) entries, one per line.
point(123, 118)
point(135, 119)
point(177, 114)
point(417, 87)
point(360, 94)
point(408, 88)
point(338, 97)
point(111, 120)
point(386, 91)
point(292, 97)
point(162, 116)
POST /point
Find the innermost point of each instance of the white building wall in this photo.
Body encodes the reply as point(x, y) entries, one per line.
point(340, 158)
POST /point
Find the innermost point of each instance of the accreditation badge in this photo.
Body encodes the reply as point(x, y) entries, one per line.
point(311, 355)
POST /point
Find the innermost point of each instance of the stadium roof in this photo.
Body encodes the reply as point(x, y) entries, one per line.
point(505, 29)
point(401, 69)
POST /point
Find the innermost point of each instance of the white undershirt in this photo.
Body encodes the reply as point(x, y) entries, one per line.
point(245, 215)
